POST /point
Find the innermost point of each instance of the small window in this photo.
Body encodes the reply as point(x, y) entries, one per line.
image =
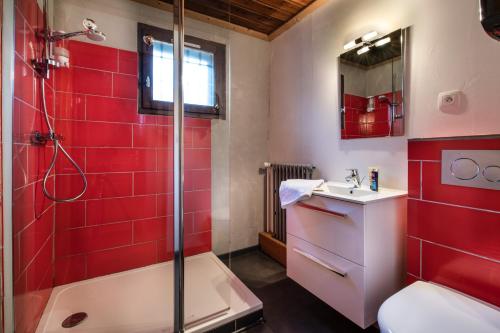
point(204, 75)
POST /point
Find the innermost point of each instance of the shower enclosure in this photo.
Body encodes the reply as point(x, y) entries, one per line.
point(121, 171)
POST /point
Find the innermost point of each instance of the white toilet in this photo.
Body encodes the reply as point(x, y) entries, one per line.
point(425, 307)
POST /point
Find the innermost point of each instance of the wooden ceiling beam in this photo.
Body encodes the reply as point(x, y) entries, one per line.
point(278, 5)
point(297, 18)
point(234, 14)
point(205, 18)
point(247, 16)
point(258, 8)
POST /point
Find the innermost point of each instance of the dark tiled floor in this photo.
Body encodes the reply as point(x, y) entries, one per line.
point(288, 308)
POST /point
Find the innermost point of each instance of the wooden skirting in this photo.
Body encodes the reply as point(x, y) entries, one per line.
point(273, 247)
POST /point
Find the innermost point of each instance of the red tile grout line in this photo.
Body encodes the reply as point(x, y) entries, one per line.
point(120, 122)
point(104, 71)
point(110, 248)
point(421, 183)
point(454, 249)
point(34, 257)
point(35, 219)
point(434, 161)
point(420, 250)
point(458, 206)
point(156, 217)
point(94, 95)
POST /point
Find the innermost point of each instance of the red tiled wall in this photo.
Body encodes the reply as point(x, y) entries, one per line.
point(362, 124)
point(124, 219)
point(33, 215)
point(453, 231)
point(121, 222)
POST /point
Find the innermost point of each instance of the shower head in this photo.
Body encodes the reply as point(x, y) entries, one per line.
point(96, 35)
point(90, 31)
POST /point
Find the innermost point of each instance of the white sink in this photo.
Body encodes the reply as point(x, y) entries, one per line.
point(363, 195)
point(349, 191)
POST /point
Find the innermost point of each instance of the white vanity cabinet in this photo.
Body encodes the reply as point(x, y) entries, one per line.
point(350, 254)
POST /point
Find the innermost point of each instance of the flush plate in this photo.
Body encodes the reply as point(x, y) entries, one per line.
point(471, 168)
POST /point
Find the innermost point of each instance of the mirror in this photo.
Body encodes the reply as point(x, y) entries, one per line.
point(371, 86)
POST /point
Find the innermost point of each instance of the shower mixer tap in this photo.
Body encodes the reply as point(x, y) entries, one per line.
point(41, 139)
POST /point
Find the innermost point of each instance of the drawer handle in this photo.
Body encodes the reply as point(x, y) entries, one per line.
point(322, 210)
point(320, 262)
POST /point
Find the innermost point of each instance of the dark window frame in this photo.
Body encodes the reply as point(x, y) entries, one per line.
point(149, 106)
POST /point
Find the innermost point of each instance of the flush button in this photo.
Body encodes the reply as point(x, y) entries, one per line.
point(492, 173)
point(464, 168)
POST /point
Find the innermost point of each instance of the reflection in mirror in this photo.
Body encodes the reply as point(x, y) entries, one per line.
point(371, 88)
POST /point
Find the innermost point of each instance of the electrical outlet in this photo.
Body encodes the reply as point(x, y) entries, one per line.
point(450, 101)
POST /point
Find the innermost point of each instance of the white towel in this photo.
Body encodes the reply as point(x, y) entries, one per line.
point(294, 190)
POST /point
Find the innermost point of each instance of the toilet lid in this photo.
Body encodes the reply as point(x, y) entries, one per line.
point(425, 307)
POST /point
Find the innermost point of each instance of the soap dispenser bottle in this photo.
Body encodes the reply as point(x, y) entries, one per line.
point(373, 174)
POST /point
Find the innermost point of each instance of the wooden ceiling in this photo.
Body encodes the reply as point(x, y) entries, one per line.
point(265, 19)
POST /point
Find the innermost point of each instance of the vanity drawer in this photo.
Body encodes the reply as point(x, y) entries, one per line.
point(314, 269)
point(334, 225)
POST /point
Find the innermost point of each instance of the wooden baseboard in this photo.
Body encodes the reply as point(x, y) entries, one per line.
point(273, 247)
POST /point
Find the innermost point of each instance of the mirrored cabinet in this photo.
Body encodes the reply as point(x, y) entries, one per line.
point(371, 75)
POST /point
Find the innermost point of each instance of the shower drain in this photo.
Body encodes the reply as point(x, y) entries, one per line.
point(74, 319)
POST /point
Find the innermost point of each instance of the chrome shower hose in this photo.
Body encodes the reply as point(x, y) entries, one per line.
point(57, 146)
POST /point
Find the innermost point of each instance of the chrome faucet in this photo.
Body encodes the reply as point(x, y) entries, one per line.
point(354, 178)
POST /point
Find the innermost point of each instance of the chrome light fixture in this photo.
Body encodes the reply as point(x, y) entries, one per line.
point(366, 43)
point(360, 40)
point(382, 41)
point(362, 50)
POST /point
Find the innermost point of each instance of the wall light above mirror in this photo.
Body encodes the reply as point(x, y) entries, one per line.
point(371, 75)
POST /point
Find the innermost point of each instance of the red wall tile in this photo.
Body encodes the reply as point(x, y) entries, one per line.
point(70, 106)
point(462, 228)
point(24, 84)
point(153, 182)
point(102, 185)
point(150, 230)
point(458, 226)
point(197, 243)
point(414, 179)
point(433, 190)
point(470, 274)
point(120, 209)
point(95, 134)
point(93, 56)
point(70, 269)
point(121, 259)
point(111, 109)
point(34, 237)
point(33, 216)
point(63, 165)
point(120, 160)
point(125, 86)
point(431, 149)
point(85, 240)
point(413, 256)
point(70, 215)
point(127, 62)
point(197, 159)
point(84, 81)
